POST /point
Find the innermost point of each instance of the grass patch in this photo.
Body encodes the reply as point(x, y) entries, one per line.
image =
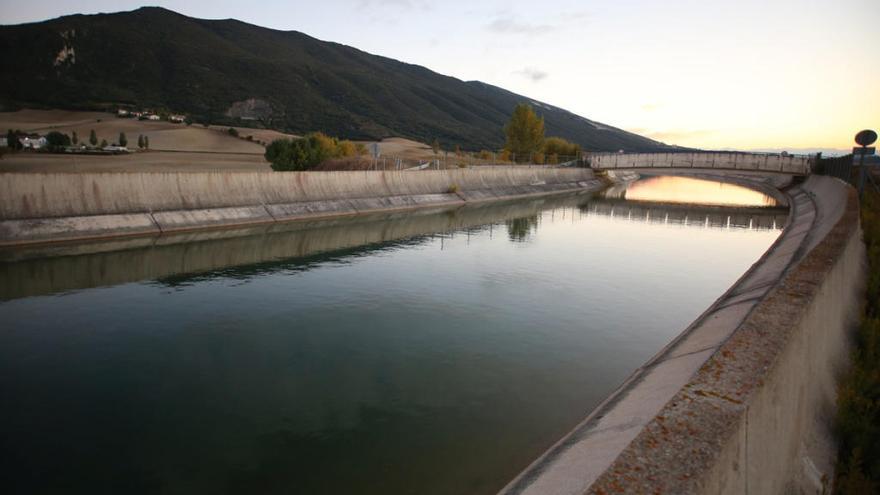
point(858, 400)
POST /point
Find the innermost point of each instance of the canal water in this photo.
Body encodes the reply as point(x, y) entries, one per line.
point(431, 352)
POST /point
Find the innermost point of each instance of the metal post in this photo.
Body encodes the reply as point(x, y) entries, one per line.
point(862, 171)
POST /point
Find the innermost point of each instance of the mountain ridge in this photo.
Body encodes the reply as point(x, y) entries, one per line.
point(224, 71)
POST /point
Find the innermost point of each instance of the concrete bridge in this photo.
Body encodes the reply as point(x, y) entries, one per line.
point(788, 164)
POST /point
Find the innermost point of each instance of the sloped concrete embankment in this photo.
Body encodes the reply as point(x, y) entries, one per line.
point(54, 207)
point(742, 400)
point(53, 268)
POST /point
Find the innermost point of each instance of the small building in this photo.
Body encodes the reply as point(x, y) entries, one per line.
point(33, 142)
point(123, 113)
point(3, 142)
point(154, 117)
point(177, 119)
point(116, 148)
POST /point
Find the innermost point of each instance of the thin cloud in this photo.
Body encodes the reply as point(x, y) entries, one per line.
point(650, 107)
point(509, 25)
point(536, 75)
point(675, 134)
point(398, 4)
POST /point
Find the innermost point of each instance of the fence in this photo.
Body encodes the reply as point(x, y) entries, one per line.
point(442, 161)
point(846, 168)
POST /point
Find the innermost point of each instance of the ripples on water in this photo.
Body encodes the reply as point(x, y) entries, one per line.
point(430, 353)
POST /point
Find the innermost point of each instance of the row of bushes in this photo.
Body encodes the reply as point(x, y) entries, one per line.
point(858, 400)
point(310, 151)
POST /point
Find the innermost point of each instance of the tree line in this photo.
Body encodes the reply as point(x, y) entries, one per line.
point(524, 142)
point(58, 141)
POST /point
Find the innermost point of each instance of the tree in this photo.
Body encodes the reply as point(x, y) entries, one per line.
point(524, 132)
point(140, 140)
point(74, 138)
point(103, 143)
point(93, 138)
point(457, 150)
point(12, 141)
point(123, 141)
point(306, 152)
point(435, 146)
point(56, 141)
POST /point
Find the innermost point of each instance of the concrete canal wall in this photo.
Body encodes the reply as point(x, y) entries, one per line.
point(800, 165)
point(53, 207)
point(741, 401)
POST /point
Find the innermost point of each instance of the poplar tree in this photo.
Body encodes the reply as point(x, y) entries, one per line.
point(524, 132)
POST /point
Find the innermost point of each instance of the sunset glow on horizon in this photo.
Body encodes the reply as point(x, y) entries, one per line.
point(787, 74)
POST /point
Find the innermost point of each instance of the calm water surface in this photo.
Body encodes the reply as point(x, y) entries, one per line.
point(420, 353)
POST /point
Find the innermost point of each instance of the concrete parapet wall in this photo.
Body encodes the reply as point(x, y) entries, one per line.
point(742, 400)
point(50, 207)
point(799, 165)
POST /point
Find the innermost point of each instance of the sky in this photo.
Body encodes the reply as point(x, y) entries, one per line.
point(746, 74)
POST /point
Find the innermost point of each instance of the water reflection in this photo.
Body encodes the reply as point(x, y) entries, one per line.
point(518, 229)
point(291, 247)
point(675, 189)
point(436, 352)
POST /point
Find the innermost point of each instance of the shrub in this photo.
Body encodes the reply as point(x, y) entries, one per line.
point(232, 131)
point(452, 189)
point(560, 146)
point(485, 155)
point(301, 153)
point(538, 158)
point(346, 148)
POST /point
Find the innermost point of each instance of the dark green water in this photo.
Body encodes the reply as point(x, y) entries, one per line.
point(422, 353)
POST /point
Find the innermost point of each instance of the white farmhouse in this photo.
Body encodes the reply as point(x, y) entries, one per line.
point(32, 142)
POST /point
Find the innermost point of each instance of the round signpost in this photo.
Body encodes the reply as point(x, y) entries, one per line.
point(864, 139)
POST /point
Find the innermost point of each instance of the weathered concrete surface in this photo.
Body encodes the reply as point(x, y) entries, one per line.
point(53, 207)
point(799, 165)
point(739, 402)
